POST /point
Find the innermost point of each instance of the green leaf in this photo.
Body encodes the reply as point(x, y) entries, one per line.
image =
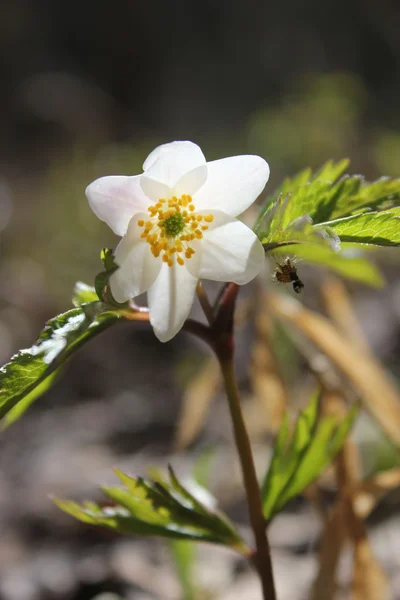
point(101, 282)
point(19, 409)
point(157, 507)
point(381, 194)
point(28, 373)
point(300, 458)
point(184, 552)
point(308, 204)
point(378, 228)
point(333, 196)
point(83, 294)
point(107, 257)
point(184, 556)
point(300, 231)
point(347, 262)
point(302, 194)
point(298, 197)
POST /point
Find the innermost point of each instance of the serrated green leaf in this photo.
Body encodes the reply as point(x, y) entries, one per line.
point(19, 409)
point(21, 379)
point(101, 285)
point(102, 278)
point(300, 231)
point(297, 197)
point(162, 508)
point(321, 203)
point(101, 282)
point(378, 228)
point(107, 257)
point(331, 171)
point(83, 294)
point(296, 463)
point(189, 499)
point(301, 194)
point(289, 186)
point(184, 552)
point(336, 195)
point(345, 263)
point(383, 193)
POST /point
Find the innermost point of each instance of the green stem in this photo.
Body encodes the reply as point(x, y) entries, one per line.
point(220, 337)
point(263, 556)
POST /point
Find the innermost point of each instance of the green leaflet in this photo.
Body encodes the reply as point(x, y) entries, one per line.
point(383, 193)
point(83, 293)
point(184, 551)
point(101, 284)
point(31, 371)
point(157, 507)
point(22, 406)
point(184, 557)
point(379, 228)
point(299, 458)
point(303, 193)
point(313, 209)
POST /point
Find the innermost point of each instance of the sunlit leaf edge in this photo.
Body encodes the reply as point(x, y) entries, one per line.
point(61, 337)
point(163, 513)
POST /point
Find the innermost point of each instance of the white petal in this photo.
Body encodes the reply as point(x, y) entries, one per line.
point(170, 299)
point(233, 184)
point(191, 182)
point(230, 251)
point(138, 268)
point(169, 162)
point(154, 189)
point(115, 199)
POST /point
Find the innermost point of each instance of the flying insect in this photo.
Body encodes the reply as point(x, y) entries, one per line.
point(287, 273)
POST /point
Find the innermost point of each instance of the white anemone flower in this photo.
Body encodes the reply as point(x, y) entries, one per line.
point(177, 222)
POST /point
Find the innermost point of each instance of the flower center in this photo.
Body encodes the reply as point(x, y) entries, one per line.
point(172, 227)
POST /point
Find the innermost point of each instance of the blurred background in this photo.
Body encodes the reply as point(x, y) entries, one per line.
point(89, 89)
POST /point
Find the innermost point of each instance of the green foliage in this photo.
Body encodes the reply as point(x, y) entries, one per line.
point(101, 281)
point(326, 196)
point(300, 458)
point(31, 371)
point(157, 507)
point(299, 196)
point(83, 293)
point(314, 214)
point(378, 195)
point(184, 552)
point(22, 406)
point(380, 228)
point(184, 556)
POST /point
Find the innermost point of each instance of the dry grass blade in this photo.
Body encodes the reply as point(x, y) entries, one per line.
point(336, 529)
point(338, 306)
point(268, 386)
point(369, 492)
point(369, 580)
point(333, 537)
point(196, 401)
point(378, 394)
point(356, 500)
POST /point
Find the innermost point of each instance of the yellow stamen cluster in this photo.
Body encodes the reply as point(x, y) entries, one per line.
point(172, 227)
